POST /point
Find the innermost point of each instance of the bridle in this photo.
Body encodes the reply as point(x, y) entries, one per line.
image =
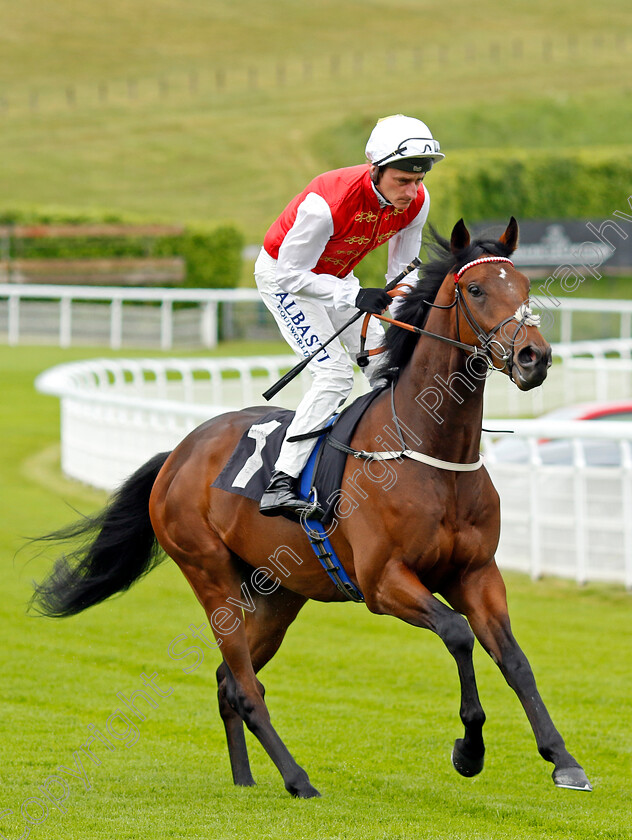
point(523, 316)
point(488, 341)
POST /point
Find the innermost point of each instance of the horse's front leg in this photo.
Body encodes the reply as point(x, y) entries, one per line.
point(481, 596)
point(399, 593)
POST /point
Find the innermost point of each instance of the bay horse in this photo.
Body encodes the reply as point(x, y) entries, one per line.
point(432, 533)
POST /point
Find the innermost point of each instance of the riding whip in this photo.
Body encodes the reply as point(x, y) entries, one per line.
point(291, 374)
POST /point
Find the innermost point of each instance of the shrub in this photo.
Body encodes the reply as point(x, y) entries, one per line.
point(212, 254)
point(537, 184)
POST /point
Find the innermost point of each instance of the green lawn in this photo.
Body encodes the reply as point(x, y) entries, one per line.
point(368, 705)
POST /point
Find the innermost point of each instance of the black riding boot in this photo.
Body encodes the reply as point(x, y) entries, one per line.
point(279, 498)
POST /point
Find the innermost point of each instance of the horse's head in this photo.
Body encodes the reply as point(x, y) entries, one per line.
point(493, 308)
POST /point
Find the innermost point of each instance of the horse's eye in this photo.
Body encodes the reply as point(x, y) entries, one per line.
point(475, 290)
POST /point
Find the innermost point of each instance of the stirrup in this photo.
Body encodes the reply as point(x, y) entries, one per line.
point(295, 509)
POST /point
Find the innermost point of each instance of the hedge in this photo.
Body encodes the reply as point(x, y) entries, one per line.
point(213, 255)
point(578, 183)
point(494, 185)
point(486, 181)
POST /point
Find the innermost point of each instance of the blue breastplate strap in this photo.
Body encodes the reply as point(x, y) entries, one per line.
point(317, 533)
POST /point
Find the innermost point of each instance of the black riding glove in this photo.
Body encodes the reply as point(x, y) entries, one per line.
point(374, 301)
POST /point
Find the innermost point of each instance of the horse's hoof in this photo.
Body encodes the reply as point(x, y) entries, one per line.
point(306, 792)
point(310, 793)
point(465, 764)
point(300, 786)
point(572, 778)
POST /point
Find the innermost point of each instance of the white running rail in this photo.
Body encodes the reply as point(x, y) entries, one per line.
point(72, 303)
point(73, 306)
point(117, 413)
point(572, 519)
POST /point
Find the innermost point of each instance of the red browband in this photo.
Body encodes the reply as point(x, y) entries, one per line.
point(458, 274)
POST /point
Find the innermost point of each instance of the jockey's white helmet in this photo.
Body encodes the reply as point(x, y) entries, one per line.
point(404, 143)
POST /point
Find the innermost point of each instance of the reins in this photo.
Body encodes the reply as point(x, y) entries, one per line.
point(399, 291)
point(523, 315)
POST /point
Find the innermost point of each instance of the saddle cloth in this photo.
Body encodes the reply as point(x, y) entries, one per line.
point(248, 470)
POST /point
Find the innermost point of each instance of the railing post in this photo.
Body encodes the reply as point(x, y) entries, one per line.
point(566, 327)
point(14, 319)
point(601, 377)
point(625, 331)
point(534, 517)
point(116, 323)
point(626, 502)
point(579, 511)
point(209, 325)
point(166, 325)
point(569, 384)
point(65, 321)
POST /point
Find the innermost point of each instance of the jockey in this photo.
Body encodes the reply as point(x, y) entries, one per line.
point(304, 273)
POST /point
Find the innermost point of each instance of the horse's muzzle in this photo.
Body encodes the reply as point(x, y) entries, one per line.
point(530, 366)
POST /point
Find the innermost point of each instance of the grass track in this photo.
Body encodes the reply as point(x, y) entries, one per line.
point(367, 704)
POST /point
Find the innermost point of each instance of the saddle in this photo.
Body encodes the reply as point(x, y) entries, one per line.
point(248, 470)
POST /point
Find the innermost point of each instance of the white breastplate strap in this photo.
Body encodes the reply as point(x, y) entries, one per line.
point(424, 459)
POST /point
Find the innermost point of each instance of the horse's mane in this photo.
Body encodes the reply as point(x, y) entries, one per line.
point(416, 306)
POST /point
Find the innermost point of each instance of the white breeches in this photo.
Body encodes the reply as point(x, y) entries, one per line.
point(305, 323)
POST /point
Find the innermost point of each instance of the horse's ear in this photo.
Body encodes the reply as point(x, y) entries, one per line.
point(460, 238)
point(510, 236)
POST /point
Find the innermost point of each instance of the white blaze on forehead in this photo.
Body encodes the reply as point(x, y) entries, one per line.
point(503, 273)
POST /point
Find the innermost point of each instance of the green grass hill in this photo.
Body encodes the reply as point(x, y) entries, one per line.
point(202, 110)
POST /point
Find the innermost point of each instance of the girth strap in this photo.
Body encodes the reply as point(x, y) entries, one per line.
point(327, 556)
point(316, 532)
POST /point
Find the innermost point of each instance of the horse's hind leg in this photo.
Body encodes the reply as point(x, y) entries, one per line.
point(216, 581)
point(482, 598)
point(234, 727)
point(265, 629)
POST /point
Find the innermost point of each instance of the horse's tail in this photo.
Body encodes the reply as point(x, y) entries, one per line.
point(113, 549)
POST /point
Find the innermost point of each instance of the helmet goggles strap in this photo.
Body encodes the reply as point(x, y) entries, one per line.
point(401, 149)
